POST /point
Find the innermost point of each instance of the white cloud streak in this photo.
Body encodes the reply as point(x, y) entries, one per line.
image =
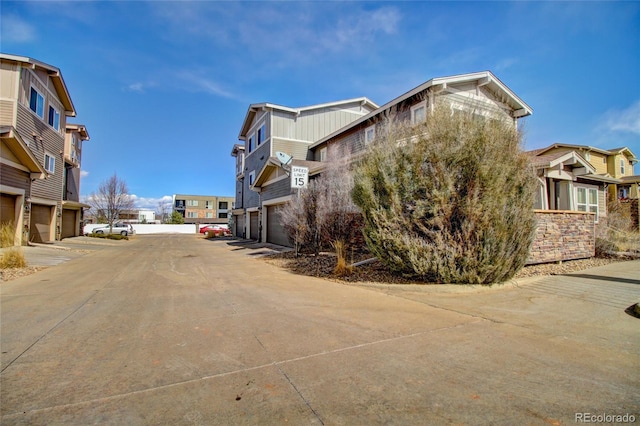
point(16, 30)
point(626, 120)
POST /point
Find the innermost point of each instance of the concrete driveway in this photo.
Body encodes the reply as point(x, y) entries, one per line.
point(176, 329)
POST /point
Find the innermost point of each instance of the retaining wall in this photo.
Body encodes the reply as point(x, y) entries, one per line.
point(563, 235)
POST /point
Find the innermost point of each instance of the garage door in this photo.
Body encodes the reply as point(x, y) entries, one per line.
point(239, 231)
point(69, 223)
point(7, 208)
point(254, 225)
point(275, 231)
point(40, 229)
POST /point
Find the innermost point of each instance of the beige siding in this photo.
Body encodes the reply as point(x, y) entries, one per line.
point(9, 75)
point(45, 87)
point(7, 113)
point(52, 142)
point(295, 149)
point(16, 178)
point(6, 153)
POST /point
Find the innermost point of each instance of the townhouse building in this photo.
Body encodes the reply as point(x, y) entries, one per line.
point(261, 183)
point(34, 106)
point(480, 93)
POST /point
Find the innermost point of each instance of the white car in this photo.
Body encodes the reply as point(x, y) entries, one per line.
point(118, 228)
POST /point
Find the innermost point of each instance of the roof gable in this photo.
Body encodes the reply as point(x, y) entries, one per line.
point(264, 106)
point(483, 79)
point(52, 72)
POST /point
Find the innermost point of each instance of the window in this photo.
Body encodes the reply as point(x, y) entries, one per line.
point(623, 192)
point(192, 215)
point(419, 113)
point(208, 204)
point(251, 143)
point(36, 103)
point(323, 154)
point(192, 203)
point(222, 215)
point(54, 118)
point(209, 215)
point(369, 134)
point(223, 205)
point(262, 134)
point(587, 200)
point(49, 163)
point(622, 166)
point(252, 177)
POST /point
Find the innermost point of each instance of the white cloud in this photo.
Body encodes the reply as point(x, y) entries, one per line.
point(135, 87)
point(626, 120)
point(16, 30)
point(203, 84)
point(150, 202)
point(84, 173)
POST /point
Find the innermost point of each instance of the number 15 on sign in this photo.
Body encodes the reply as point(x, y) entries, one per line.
point(299, 177)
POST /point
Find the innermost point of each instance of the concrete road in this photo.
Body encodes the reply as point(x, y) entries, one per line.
point(180, 330)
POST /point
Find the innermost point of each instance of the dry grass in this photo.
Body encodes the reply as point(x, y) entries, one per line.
point(13, 258)
point(7, 234)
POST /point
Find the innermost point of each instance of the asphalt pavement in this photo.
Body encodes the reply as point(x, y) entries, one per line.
point(176, 329)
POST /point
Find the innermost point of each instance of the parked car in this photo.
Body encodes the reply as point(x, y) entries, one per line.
point(217, 229)
point(118, 228)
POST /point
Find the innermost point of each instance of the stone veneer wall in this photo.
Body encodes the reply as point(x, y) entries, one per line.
point(563, 235)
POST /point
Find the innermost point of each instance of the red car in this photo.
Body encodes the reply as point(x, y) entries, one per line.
point(216, 229)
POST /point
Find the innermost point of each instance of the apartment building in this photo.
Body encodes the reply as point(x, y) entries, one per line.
point(203, 209)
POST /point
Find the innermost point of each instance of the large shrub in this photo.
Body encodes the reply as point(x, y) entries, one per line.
point(449, 200)
point(323, 214)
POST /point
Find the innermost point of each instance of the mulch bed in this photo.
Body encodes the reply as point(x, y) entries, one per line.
point(324, 264)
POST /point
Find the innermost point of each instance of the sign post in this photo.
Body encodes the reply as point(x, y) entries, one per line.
point(299, 177)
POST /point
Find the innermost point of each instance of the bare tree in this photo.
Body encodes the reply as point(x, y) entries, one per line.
point(163, 211)
point(111, 199)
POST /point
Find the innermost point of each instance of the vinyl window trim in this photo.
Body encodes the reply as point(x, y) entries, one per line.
point(49, 162)
point(39, 102)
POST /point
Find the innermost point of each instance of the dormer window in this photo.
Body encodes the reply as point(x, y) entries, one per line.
point(36, 102)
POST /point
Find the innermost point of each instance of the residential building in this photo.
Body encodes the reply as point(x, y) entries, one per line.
point(34, 106)
point(267, 129)
point(203, 209)
point(72, 208)
point(584, 178)
point(481, 93)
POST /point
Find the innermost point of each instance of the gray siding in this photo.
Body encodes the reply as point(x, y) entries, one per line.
point(277, 189)
point(315, 124)
point(72, 187)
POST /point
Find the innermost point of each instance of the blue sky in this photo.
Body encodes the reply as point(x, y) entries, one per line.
point(163, 86)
